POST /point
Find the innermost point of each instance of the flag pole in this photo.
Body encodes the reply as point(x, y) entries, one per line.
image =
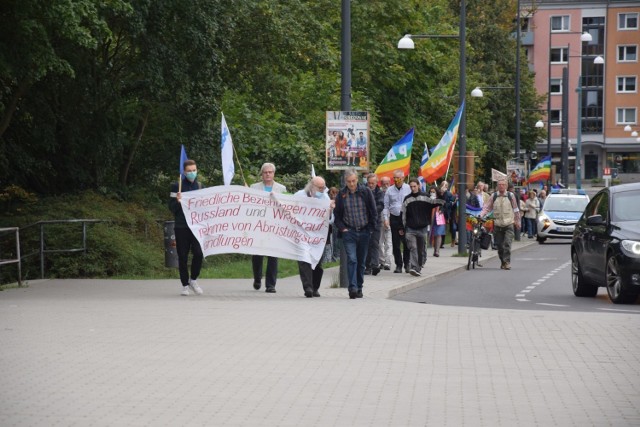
point(180, 183)
point(239, 165)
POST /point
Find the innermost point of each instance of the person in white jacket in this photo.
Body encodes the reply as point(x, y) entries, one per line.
point(532, 207)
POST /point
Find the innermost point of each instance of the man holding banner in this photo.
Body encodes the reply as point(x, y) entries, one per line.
point(185, 240)
point(312, 277)
point(268, 184)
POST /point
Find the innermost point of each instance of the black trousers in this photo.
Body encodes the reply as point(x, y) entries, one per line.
point(401, 258)
point(185, 242)
point(272, 270)
point(373, 254)
point(310, 277)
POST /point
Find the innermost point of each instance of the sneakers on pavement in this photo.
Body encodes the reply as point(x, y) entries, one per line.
point(193, 284)
point(507, 266)
point(257, 284)
point(414, 272)
point(185, 291)
point(387, 267)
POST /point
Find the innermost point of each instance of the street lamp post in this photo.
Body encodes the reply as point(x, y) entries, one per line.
point(579, 136)
point(407, 43)
point(585, 37)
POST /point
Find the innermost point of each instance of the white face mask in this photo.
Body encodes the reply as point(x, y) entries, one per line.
point(432, 195)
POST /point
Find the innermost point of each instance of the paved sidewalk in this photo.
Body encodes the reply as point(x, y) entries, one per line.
point(116, 353)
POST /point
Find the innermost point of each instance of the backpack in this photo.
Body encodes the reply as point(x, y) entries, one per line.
point(510, 195)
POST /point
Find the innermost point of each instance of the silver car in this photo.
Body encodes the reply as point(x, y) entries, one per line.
point(559, 216)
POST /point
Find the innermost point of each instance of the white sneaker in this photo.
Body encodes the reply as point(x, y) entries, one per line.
point(185, 291)
point(193, 284)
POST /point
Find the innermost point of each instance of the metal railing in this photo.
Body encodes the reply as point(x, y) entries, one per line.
point(42, 250)
point(16, 260)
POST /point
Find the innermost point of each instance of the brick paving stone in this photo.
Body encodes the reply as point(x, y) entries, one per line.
point(125, 352)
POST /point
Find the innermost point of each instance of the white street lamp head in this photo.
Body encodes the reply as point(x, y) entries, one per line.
point(627, 128)
point(586, 37)
point(598, 60)
point(539, 124)
point(406, 42)
point(477, 93)
point(634, 133)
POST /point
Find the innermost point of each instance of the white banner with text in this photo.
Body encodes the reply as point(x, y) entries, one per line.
point(236, 219)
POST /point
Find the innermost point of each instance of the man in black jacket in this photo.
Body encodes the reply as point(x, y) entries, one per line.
point(185, 240)
point(416, 216)
point(373, 254)
point(355, 218)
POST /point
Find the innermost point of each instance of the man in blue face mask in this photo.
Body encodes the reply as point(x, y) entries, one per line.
point(311, 277)
point(185, 240)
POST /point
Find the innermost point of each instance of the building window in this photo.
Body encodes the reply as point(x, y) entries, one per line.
point(556, 87)
point(626, 116)
point(627, 53)
point(627, 84)
point(559, 55)
point(625, 162)
point(560, 23)
point(556, 117)
point(627, 21)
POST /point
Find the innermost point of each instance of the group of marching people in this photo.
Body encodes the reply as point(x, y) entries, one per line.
point(377, 223)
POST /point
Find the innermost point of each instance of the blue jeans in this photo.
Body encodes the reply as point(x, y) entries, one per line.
point(356, 245)
point(531, 226)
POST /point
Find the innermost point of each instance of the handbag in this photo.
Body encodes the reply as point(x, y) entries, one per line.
point(485, 240)
point(440, 220)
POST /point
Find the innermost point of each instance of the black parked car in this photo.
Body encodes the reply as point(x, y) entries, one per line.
point(605, 249)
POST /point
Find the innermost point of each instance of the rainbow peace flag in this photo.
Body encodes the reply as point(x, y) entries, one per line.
point(399, 157)
point(542, 171)
point(438, 163)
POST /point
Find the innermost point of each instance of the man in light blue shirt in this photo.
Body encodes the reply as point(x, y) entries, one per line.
point(392, 213)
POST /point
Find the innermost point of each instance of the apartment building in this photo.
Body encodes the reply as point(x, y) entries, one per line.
point(585, 58)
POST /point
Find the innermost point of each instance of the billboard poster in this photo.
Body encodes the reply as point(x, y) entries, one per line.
point(347, 140)
point(516, 172)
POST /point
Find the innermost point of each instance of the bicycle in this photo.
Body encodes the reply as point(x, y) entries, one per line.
point(480, 238)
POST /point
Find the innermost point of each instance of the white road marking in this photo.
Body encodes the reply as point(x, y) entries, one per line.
point(552, 305)
point(539, 282)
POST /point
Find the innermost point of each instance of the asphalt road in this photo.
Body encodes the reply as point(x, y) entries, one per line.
point(540, 279)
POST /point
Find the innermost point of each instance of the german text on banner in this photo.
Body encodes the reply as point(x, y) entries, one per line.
point(399, 157)
point(437, 165)
point(236, 219)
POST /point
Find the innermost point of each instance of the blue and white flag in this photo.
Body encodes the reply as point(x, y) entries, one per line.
point(228, 168)
point(183, 158)
point(423, 161)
